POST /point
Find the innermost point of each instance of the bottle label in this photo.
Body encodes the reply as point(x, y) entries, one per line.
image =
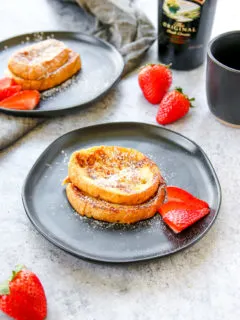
point(180, 19)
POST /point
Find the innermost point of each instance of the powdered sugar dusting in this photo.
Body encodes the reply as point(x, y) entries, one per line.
point(125, 169)
point(65, 156)
point(38, 36)
point(93, 224)
point(48, 94)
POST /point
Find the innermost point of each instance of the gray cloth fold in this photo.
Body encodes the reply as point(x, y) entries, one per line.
point(128, 29)
point(116, 21)
point(13, 128)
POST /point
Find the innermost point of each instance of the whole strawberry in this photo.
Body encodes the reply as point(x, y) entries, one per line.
point(154, 81)
point(173, 106)
point(22, 297)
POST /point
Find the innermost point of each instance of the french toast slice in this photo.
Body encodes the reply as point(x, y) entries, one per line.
point(86, 205)
point(53, 79)
point(114, 174)
point(36, 61)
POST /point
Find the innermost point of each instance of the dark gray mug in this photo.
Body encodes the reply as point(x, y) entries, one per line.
point(223, 77)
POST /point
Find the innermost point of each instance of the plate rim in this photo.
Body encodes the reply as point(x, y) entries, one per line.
point(93, 258)
point(51, 113)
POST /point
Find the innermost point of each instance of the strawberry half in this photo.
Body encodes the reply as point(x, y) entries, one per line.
point(154, 81)
point(23, 100)
point(171, 206)
point(6, 82)
point(22, 297)
point(180, 219)
point(178, 194)
point(9, 91)
point(182, 209)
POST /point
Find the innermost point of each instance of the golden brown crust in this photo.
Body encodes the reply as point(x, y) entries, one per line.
point(36, 61)
point(114, 174)
point(110, 212)
point(53, 79)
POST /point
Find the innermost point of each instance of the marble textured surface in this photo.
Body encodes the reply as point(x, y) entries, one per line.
point(201, 282)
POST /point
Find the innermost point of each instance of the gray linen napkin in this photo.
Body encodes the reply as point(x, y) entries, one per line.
point(116, 21)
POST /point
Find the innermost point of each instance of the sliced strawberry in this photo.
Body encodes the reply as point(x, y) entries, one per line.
point(9, 91)
point(23, 100)
point(6, 82)
point(177, 194)
point(182, 209)
point(170, 206)
point(180, 219)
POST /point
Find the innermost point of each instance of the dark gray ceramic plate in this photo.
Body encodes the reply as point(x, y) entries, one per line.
point(102, 66)
point(182, 162)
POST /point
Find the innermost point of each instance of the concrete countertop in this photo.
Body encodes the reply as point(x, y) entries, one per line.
point(201, 282)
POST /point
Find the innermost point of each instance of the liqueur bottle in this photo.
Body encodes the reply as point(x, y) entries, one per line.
point(184, 29)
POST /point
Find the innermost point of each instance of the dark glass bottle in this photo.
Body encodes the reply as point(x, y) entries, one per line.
point(184, 29)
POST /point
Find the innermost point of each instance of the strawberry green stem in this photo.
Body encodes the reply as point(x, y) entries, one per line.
point(18, 268)
point(4, 288)
point(187, 97)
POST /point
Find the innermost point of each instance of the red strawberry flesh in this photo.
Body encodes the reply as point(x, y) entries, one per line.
point(9, 91)
point(178, 194)
point(23, 100)
point(182, 209)
point(170, 206)
point(180, 219)
point(6, 82)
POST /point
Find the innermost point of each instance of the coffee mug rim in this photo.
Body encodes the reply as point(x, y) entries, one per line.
point(211, 56)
